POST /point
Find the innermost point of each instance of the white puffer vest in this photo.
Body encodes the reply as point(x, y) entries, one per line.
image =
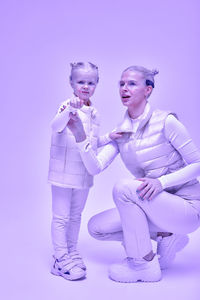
point(66, 168)
point(152, 155)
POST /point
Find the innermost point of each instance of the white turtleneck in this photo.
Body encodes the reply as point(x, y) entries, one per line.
point(175, 132)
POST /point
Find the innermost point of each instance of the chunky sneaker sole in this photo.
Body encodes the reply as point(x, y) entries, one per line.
point(168, 247)
point(136, 270)
point(68, 275)
point(67, 268)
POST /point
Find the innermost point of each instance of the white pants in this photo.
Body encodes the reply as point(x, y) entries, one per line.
point(67, 206)
point(135, 221)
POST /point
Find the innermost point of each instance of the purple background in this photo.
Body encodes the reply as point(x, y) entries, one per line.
point(38, 41)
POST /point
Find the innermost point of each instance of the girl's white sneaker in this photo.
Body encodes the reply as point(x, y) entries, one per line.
point(75, 256)
point(67, 268)
point(133, 270)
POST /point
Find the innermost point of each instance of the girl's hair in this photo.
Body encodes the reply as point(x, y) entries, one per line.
point(83, 65)
point(147, 74)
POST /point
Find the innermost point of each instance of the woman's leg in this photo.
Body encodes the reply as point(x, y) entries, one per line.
point(106, 226)
point(79, 197)
point(61, 199)
point(166, 211)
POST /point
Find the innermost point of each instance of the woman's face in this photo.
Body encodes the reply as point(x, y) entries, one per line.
point(132, 88)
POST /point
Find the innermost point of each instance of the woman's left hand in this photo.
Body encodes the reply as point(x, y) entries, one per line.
point(149, 188)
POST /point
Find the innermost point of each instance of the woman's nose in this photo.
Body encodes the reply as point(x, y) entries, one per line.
point(124, 87)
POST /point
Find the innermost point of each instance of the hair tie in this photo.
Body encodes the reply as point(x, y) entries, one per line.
point(154, 72)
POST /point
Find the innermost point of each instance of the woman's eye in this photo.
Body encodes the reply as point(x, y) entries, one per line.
point(81, 82)
point(131, 83)
point(91, 83)
point(121, 83)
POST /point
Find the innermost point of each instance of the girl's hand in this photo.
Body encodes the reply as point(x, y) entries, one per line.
point(149, 188)
point(62, 108)
point(76, 126)
point(76, 102)
point(115, 135)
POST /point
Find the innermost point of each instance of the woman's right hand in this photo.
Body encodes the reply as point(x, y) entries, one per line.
point(76, 126)
point(115, 135)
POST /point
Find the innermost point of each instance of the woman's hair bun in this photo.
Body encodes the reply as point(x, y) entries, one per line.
point(154, 72)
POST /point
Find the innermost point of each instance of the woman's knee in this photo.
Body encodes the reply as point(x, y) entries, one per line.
point(95, 228)
point(126, 190)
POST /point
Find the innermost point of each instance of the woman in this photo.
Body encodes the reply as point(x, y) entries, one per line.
point(162, 200)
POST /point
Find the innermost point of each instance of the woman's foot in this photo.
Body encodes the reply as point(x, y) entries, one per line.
point(133, 270)
point(67, 268)
point(168, 246)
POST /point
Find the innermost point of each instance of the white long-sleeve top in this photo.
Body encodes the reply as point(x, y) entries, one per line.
point(175, 132)
point(61, 119)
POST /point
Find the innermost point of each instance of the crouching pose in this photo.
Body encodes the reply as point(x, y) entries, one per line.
point(162, 199)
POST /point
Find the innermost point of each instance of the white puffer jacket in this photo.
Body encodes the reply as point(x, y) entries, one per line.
point(148, 153)
point(66, 168)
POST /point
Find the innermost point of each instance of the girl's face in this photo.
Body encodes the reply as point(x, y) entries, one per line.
point(84, 82)
point(132, 88)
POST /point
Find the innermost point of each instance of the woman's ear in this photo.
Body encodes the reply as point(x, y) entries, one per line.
point(148, 90)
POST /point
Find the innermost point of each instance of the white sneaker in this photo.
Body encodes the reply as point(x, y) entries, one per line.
point(75, 256)
point(67, 268)
point(133, 270)
point(168, 246)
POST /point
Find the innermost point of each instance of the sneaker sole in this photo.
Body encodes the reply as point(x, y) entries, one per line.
point(67, 276)
point(154, 278)
point(178, 244)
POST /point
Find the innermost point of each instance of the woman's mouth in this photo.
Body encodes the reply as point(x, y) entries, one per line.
point(125, 96)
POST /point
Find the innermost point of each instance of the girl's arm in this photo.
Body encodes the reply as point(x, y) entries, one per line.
point(61, 119)
point(179, 137)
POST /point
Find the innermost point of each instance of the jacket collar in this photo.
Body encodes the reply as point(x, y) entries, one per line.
point(126, 124)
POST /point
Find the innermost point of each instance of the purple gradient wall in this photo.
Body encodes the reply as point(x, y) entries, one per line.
point(38, 41)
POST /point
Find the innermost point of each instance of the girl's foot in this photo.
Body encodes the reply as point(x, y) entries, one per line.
point(75, 256)
point(67, 268)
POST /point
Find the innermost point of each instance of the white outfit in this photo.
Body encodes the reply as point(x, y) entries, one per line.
point(66, 168)
point(68, 176)
point(156, 145)
point(67, 206)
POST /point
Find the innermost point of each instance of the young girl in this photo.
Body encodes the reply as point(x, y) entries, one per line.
point(70, 180)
